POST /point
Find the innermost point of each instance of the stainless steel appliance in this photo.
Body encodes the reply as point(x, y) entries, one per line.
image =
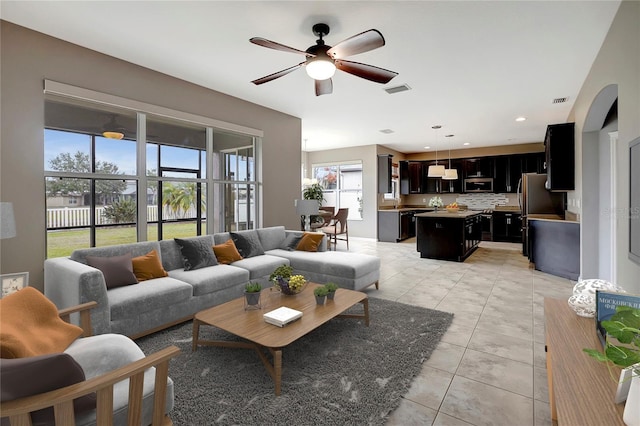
point(534, 198)
point(478, 184)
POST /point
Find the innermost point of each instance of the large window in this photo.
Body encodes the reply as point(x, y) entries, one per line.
point(152, 177)
point(342, 185)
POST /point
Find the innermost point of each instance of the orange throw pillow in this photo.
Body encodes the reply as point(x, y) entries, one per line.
point(148, 267)
point(227, 252)
point(310, 241)
point(30, 326)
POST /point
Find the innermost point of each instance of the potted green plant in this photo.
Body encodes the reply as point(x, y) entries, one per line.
point(284, 271)
point(624, 326)
point(252, 292)
point(331, 290)
point(320, 293)
point(314, 192)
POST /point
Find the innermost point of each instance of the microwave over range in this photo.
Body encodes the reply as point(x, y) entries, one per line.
point(479, 184)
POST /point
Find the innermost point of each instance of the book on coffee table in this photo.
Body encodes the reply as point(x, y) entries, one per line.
point(282, 316)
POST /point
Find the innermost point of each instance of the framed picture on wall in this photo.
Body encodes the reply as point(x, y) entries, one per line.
point(634, 200)
point(13, 282)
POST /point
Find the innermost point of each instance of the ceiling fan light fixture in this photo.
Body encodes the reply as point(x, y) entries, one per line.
point(320, 68)
point(113, 135)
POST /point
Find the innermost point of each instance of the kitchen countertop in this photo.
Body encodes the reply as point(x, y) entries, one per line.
point(443, 213)
point(407, 209)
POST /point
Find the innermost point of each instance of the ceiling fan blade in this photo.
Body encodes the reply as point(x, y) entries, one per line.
point(278, 74)
point(324, 87)
point(277, 46)
point(369, 72)
point(359, 43)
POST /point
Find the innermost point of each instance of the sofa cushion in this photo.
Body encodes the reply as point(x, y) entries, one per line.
point(261, 266)
point(30, 325)
point(247, 243)
point(21, 377)
point(290, 242)
point(227, 252)
point(148, 267)
point(331, 263)
point(212, 279)
point(116, 270)
point(147, 296)
point(310, 241)
point(196, 253)
point(271, 237)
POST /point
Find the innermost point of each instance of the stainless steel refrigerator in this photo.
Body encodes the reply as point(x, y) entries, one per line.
point(534, 198)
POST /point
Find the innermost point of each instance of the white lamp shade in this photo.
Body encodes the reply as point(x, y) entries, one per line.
point(7, 221)
point(320, 69)
point(307, 207)
point(435, 171)
point(450, 174)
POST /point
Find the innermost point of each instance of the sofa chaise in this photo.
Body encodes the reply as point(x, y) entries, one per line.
point(154, 304)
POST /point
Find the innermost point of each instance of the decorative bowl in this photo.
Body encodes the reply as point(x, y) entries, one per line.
point(453, 209)
point(590, 286)
point(289, 287)
point(583, 304)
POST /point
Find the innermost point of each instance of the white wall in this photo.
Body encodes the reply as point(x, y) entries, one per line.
point(618, 62)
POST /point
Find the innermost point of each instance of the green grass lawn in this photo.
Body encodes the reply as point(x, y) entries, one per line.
point(62, 243)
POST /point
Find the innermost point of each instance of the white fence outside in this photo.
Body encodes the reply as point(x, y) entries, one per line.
point(68, 217)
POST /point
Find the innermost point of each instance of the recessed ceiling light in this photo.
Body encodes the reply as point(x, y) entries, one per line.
point(427, 147)
point(448, 136)
point(386, 131)
point(521, 118)
point(466, 143)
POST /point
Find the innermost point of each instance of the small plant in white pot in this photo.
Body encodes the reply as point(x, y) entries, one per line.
point(331, 288)
point(624, 326)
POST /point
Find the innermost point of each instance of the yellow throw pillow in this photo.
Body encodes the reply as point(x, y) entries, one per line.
point(310, 241)
point(227, 252)
point(30, 326)
point(148, 267)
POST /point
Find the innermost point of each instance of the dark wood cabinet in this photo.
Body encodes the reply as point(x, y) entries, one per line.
point(384, 173)
point(448, 237)
point(507, 226)
point(559, 143)
point(453, 186)
point(403, 168)
point(416, 177)
point(509, 169)
point(533, 163)
point(478, 167)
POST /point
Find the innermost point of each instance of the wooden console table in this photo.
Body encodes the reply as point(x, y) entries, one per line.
point(581, 390)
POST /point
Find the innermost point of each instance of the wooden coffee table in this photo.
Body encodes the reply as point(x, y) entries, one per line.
point(264, 337)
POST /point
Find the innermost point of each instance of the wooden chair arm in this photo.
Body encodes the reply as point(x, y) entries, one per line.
point(62, 399)
point(85, 316)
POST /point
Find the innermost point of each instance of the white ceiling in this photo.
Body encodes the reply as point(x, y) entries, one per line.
point(473, 66)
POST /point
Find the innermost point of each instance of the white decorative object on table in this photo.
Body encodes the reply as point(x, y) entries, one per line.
point(631, 415)
point(590, 286)
point(583, 304)
point(583, 300)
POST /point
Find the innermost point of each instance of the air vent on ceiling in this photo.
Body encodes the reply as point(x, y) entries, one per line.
point(386, 131)
point(397, 89)
point(560, 100)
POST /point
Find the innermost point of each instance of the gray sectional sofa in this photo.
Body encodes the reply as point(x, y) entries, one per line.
point(149, 306)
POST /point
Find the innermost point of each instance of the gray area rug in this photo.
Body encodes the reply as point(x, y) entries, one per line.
point(342, 373)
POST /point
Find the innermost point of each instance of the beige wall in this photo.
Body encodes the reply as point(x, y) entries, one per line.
point(618, 62)
point(28, 57)
point(368, 155)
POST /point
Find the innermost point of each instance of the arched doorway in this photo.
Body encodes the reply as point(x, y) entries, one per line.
point(599, 138)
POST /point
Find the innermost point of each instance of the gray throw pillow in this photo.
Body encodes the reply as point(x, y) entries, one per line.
point(291, 242)
point(117, 270)
point(196, 253)
point(248, 244)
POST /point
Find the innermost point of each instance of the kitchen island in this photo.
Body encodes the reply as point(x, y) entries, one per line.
point(448, 236)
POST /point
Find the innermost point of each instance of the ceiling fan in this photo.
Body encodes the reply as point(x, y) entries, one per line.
point(322, 60)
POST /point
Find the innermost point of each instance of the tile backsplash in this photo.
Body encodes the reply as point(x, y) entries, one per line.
point(484, 200)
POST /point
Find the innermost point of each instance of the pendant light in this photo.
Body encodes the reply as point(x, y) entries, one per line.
point(436, 171)
point(450, 174)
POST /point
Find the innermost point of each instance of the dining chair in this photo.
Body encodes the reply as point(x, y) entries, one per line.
point(339, 226)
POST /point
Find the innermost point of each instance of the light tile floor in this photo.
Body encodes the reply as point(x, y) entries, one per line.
point(489, 368)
